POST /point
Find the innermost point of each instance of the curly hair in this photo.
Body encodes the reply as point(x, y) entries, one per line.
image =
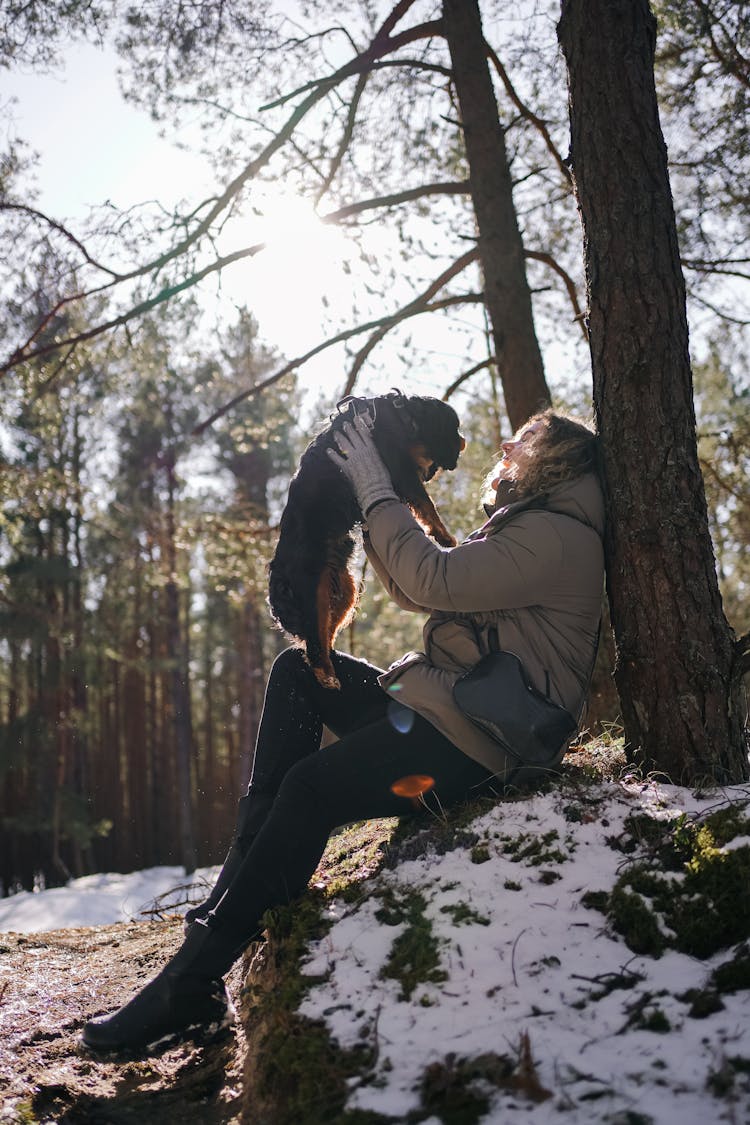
point(560, 449)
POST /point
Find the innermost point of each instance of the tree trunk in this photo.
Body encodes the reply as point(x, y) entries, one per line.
point(506, 289)
point(179, 685)
point(675, 668)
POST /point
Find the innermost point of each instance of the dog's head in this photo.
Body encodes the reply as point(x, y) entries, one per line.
point(435, 428)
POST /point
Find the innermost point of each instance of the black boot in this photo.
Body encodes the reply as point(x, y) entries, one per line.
point(252, 812)
point(187, 996)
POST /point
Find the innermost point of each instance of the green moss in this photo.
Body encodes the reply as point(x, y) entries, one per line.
point(354, 853)
point(480, 853)
point(728, 823)
point(447, 1093)
point(724, 1081)
point(596, 900)
point(22, 1113)
point(703, 1002)
point(654, 1020)
point(305, 1073)
point(462, 914)
point(632, 918)
point(512, 885)
point(455, 1089)
point(702, 910)
point(644, 881)
point(646, 829)
point(535, 850)
point(393, 907)
point(298, 1070)
point(733, 975)
point(414, 957)
point(714, 910)
point(416, 835)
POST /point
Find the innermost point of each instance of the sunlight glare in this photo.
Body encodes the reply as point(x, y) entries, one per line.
point(302, 273)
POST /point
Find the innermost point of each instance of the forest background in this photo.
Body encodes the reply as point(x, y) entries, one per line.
point(134, 538)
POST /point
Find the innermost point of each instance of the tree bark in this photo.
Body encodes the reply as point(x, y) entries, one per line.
point(675, 668)
point(506, 289)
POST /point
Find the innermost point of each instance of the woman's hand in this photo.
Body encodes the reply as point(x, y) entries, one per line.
point(357, 457)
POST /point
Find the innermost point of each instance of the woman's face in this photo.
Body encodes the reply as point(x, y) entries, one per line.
point(516, 454)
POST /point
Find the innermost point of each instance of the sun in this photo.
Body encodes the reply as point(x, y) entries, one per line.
point(286, 220)
point(302, 276)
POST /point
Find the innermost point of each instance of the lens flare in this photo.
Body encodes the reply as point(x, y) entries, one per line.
point(400, 716)
point(413, 785)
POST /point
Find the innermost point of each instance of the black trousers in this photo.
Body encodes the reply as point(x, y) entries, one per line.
point(315, 790)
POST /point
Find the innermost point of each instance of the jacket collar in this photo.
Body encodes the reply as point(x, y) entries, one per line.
point(580, 499)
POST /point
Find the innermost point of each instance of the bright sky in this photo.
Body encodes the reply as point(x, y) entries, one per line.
point(94, 147)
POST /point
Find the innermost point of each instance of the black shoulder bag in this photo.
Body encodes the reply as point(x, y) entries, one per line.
point(497, 696)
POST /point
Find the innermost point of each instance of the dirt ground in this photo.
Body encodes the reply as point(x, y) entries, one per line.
point(51, 983)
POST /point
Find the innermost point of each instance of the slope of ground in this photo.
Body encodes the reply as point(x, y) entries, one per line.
point(577, 955)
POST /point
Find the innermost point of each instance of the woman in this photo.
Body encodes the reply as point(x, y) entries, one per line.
point(530, 579)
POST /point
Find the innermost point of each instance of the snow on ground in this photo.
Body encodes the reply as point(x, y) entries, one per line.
point(521, 955)
point(533, 962)
point(100, 900)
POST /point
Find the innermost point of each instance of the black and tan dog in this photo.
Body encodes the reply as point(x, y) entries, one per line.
point(311, 591)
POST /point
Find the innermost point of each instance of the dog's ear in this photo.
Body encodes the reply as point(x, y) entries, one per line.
point(437, 426)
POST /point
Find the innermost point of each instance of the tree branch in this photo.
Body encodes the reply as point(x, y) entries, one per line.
point(529, 115)
point(460, 187)
point(26, 352)
point(570, 285)
point(715, 267)
point(345, 137)
point(414, 307)
point(719, 312)
point(165, 294)
point(735, 62)
point(414, 64)
point(365, 60)
point(347, 334)
point(460, 379)
point(63, 230)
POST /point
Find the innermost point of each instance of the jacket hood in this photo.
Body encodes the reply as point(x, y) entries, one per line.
point(581, 499)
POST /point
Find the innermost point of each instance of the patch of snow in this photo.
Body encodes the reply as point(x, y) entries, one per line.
point(100, 900)
point(536, 968)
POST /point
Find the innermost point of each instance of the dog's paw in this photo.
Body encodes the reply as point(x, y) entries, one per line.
point(445, 540)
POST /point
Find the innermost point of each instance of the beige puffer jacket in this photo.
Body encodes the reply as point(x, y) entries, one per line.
point(534, 572)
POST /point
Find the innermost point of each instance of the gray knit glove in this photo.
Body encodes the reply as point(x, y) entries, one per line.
point(357, 457)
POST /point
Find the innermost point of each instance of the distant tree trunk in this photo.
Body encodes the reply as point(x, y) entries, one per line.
point(675, 665)
point(506, 289)
point(78, 687)
point(179, 685)
point(139, 839)
point(212, 835)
